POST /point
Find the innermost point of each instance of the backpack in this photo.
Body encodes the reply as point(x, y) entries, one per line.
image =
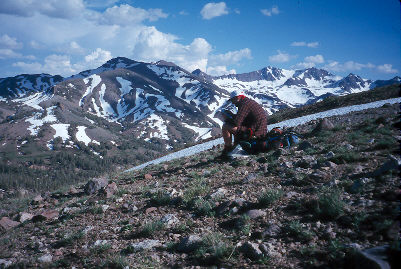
point(276, 138)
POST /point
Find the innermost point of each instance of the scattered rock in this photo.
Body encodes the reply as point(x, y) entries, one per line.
point(374, 258)
point(7, 224)
point(189, 244)
point(169, 220)
point(110, 189)
point(304, 145)
point(272, 231)
point(393, 163)
point(324, 125)
point(255, 213)
point(150, 210)
point(95, 185)
point(73, 191)
point(219, 193)
point(5, 263)
point(249, 178)
point(37, 200)
point(330, 154)
point(47, 258)
point(146, 245)
point(23, 216)
point(251, 250)
point(46, 215)
point(148, 176)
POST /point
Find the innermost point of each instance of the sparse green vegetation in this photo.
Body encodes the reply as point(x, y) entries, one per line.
point(268, 197)
point(329, 204)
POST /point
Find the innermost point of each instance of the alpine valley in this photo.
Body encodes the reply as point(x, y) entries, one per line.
point(126, 112)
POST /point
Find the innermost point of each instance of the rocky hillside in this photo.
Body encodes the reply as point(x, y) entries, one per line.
point(328, 202)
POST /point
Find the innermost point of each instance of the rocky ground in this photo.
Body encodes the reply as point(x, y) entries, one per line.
point(324, 203)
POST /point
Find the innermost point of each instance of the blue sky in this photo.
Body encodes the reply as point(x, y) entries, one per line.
point(68, 36)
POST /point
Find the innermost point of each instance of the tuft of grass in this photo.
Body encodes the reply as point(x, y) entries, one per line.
point(203, 207)
point(329, 205)
point(298, 231)
point(197, 188)
point(214, 248)
point(68, 240)
point(115, 262)
point(150, 228)
point(270, 196)
point(160, 198)
point(100, 249)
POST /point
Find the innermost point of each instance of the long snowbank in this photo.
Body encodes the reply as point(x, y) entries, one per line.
point(288, 123)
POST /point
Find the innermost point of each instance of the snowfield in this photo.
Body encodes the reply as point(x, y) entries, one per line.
point(288, 123)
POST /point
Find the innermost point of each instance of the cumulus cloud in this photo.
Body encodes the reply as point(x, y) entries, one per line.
point(303, 65)
point(212, 10)
point(9, 42)
point(270, 12)
point(61, 64)
point(90, 39)
point(231, 57)
point(127, 15)
point(51, 8)
point(281, 57)
point(305, 44)
point(387, 68)
point(318, 59)
point(347, 66)
point(219, 71)
point(154, 45)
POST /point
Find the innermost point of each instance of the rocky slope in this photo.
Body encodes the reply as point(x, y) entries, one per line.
point(324, 203)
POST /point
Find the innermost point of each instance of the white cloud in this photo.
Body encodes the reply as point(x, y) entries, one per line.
point(61, 64)
point(128, 15)
point(387, 68)
point(318, 59)
point(11, 54)
point(9, 42)
point(219, 71)
point(184, 13)
point(305, 44)
point(99, 3)
point(91, 38)
point(53, 64)
point(281, 57)
point(97, 58)
point(347, 66)
point(212, 10)
point(8, 53)
point(270, 12)
point(231, 57)
point(51, 8)
point(153, 45)
point(303, 65)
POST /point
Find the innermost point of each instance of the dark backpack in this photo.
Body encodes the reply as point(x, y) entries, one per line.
point(276, 138)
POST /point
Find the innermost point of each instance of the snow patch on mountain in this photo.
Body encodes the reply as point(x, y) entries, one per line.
point(203, 133)
point(83, 137)
point(107, 109)
point(61, 131)
point(91, 82)
point(159, 126)
point(34, 100)
point(36, 121)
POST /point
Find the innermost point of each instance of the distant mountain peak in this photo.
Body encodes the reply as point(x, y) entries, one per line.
point(165, 63)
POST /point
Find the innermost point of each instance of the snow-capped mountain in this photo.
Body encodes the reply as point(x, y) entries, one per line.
point(157, 103)
point(278, 88)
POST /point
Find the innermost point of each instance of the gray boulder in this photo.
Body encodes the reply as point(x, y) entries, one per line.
point(95, 185)
point(189, 244)
point(373, 258)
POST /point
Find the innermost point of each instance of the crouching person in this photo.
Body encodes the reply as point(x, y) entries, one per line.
point(249, 122)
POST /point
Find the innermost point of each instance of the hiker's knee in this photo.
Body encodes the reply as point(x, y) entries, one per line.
point(227, 127)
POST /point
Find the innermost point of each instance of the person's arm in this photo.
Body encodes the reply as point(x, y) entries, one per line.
point(240, 117)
